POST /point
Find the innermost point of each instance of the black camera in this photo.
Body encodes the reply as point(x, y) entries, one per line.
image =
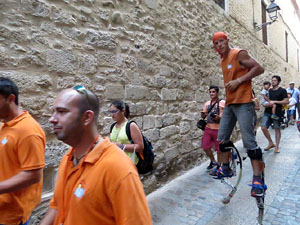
point(213, 115)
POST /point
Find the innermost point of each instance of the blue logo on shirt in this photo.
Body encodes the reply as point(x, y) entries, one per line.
point(79, 192)
point(4, 141)
point(229, 66)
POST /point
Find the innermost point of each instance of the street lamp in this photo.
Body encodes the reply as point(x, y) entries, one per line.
point(273, 14)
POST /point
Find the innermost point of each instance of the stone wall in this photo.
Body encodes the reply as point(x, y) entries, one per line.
point(155, 55)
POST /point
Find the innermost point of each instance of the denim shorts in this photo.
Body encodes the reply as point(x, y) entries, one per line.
point(245, 115)
point(291, 112)
point(266, 121)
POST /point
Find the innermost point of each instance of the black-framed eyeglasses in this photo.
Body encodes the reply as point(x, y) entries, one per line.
point(82, 90)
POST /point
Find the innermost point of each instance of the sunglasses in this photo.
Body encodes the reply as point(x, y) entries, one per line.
point(82, 90)
point(113, 111)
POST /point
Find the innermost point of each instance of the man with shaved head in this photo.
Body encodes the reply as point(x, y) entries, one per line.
point(97, 183)
point(238, 70)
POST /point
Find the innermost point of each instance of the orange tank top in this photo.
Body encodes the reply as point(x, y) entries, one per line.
point(232, 70)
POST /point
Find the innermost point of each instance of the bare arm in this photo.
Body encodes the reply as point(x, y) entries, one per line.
point(254, 68)
point(290, 105)
point(256, 104)
point(282, 102)
point(266, 98)
point(203, 114)
point(21, 180)
point(137, 138)
point(221, 108)
point(49, 217)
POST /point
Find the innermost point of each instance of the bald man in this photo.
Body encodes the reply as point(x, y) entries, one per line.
point(97, 183)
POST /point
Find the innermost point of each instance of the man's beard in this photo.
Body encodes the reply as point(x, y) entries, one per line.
point(73, 131)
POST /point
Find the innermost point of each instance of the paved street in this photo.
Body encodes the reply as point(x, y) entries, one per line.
point(195, 198)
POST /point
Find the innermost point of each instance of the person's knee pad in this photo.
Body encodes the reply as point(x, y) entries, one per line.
point(255, 154)
point(226, 146)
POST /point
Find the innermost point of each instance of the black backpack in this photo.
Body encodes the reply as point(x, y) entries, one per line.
point(146, 158)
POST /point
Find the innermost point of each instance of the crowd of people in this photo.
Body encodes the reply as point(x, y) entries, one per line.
point(97, 180)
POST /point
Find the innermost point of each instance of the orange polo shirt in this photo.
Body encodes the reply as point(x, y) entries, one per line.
point(22, 147)
point(104, 188)
point(232, 70)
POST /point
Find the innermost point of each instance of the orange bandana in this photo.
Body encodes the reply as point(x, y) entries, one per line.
point(219, 35)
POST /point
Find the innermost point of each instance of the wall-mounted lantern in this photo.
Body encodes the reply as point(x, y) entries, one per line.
point(273, 15)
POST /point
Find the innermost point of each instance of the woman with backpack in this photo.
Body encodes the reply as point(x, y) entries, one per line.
point(120, 112)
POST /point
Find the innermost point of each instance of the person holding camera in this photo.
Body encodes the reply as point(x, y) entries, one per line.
point(212, 110)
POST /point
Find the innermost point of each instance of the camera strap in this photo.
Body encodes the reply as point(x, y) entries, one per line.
point(212, 106)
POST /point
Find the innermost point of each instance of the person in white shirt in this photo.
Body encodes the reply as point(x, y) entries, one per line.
point(292, 109)
point(295, 94)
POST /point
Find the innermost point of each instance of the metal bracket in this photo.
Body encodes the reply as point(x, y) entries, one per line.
point(259, 27)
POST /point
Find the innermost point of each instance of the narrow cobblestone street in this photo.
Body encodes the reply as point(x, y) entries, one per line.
point(195, 198)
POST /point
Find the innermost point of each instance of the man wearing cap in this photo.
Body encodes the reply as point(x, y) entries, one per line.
point(238, 70)
point(295, 94)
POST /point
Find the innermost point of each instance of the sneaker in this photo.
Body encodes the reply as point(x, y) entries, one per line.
point(258, 189)
point(214, 172)
point(211, 166)
point(221, 173)
point(274, 117)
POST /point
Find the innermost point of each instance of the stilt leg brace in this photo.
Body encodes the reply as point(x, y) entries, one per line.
point(255, 154)
point(226, 146)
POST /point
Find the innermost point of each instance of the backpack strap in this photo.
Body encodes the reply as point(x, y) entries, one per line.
point(130, 138)
point(112, 127)
point(128, 129)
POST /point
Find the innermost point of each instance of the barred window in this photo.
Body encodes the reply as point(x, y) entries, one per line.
point(221, 3)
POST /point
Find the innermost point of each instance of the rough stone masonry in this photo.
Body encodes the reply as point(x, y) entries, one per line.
point(156, 55)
